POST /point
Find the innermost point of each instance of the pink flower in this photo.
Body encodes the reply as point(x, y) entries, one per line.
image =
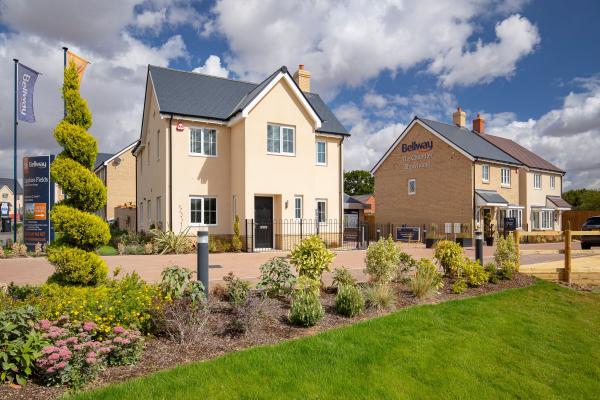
point(60, 342)
point(44, 324)
point(91, 354)
point(72, 340)
point(118, 329)
point(50, 370)
point(78, 346)
point(104, 350)
point(90, 360)
point(118, 339)
point(126, 341)
point(49, 349)
point(64, 353)
point(89, 326)
point(60, 365)
point(53, 357)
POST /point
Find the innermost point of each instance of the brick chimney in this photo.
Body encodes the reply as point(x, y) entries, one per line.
point(459, 118)
point(302, 78)
point(479, 124)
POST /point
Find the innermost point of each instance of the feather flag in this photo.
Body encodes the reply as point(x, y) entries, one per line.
point(26, 78)
point(80, 63)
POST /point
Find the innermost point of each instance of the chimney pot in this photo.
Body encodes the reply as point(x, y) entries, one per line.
point(479, 124)
point(301, 66)
point(459, 118)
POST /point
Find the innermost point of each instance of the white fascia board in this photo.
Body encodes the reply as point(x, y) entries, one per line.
point(138, 149)
point(193, 119)
point(403, 134)
point(118, 154)
point(328, 135)
point(295, 90)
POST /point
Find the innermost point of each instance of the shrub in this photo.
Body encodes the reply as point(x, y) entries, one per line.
point(427, 279)
point(245, 314)
point(37, 251)
point(459, 286)
point(212, 246)
point(306, 309)
point(236, 241)
point(450, 256)
point(124, 302)
point(379, 296)
point(170, 242)
point(127, 347)
point(343, 277)
point(382, 261)
point(506, 256)
point(120, 248)
point(492, 271)
point(306, 284)
point(276, 277)
point(177, 282)
point(349, 300)
point(182, 320)
point(311, 257)
point(78, 228)
point(149, 248)
point(237, 289)
point(507, 270)
point(75, 266)
point(473, 273)
point(407, 262)
point(22, 292)
point(20, 344)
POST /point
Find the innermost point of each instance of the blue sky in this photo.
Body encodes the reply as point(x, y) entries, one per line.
point(532, 68)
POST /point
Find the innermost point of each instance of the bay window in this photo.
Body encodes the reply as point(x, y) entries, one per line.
point(542, 219)
point(203, 211)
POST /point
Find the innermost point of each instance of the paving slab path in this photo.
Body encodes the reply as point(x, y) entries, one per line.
point(245, 265)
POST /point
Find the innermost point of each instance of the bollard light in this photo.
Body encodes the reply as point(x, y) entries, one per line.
point(202, 260)
point(479, 246)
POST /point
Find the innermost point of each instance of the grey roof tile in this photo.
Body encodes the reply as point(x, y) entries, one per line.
point(100, 158)
point(9, 183)
point(470, 142)
point(491, 196)
point(558, 201)
point(205, 96)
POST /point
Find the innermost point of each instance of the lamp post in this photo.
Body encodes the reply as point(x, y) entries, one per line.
point(479, 246)
point(202, 259)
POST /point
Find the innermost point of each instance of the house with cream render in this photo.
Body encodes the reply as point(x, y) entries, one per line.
point(7, 198)
point(457, 180)
point(213, 148)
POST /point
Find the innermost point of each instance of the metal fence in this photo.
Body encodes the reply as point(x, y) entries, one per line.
point(284, 235)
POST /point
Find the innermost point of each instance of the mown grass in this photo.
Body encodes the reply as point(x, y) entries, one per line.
point(537, 342)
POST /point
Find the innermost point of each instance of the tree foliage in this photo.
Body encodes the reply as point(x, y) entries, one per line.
point(79, 230)
point(583, 199)
point(358, 182)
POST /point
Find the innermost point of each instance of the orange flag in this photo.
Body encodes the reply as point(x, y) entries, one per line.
point(80, 63)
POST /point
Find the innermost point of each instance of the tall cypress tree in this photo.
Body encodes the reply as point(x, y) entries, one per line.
point(79, 231)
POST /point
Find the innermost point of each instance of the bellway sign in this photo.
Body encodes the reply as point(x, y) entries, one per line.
point(38, 198)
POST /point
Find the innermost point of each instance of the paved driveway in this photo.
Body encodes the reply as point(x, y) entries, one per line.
point(244, 265)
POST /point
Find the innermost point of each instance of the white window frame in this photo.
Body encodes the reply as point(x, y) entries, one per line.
point(281, 152)
point(298, 208)
point(505, 173)
point(158, 210)
point(485, 173)
point(552, 182)
point(324, 143)
point(537, 181)
point(414, 189)
point(324, 219)
point(202, 211)
point(203, 131)
point(545, 220)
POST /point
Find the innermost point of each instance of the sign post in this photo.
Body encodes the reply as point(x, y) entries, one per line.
point(38, 198)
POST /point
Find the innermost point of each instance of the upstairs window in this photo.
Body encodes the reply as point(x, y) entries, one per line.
point(485, 173)
point(321, 152)
point(412, 186)
point(280, 139)
point(505, 176)
point(537, 181)
point(552, 182)
point(203, 141)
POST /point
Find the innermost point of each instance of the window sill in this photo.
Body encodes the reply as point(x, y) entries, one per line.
point(282, 154)
point(201, 155)
point(505, 186)
point(203, 225)
point(486, 182)
point(321, 164)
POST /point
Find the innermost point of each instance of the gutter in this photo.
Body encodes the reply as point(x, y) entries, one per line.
point(171, 173)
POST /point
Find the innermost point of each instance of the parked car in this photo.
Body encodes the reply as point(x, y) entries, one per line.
point(592, 224)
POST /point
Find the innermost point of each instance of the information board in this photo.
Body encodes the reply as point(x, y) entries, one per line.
point(407, 234)
point(38, 197)
point(510, 224)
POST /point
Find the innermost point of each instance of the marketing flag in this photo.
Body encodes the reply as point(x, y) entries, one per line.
point(80, 63)
point(26, 78)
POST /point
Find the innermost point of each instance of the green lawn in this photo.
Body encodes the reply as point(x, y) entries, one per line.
point(538, 342)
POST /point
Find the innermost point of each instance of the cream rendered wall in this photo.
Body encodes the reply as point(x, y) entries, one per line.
point(6, 196)
point(238, 170)
point(151, 165)
point(195, 175)
point(286, 176)
point(120, 183)
point(537, 197)
point(511, 194)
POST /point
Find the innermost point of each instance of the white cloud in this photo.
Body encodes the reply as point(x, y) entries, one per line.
point(348, 43)
point(149, 19)
point(517, 37)
point(568, 136)
point(213, 66)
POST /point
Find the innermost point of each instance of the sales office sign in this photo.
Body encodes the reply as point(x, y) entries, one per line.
point(419, 154)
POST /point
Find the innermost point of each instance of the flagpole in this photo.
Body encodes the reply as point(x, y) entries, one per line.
point(65, 49)
point(15, 208)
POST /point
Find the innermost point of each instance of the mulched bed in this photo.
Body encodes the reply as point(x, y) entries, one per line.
point(271, 327)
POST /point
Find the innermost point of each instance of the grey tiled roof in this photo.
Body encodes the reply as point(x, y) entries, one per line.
point(100, 158)
point(352, 203)
point(558, 201)
point(470, 142)
point(9, 183)
point(198, 95)
point(491, 196)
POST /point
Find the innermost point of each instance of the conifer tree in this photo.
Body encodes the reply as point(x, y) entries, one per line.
point(79, 231)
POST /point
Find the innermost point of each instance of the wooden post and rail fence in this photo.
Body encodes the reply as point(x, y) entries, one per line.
point(583, 270)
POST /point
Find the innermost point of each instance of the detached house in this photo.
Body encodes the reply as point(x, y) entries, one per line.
point(454, 179)
point(213, 148)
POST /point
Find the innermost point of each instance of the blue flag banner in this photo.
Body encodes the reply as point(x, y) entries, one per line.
point(26, 78)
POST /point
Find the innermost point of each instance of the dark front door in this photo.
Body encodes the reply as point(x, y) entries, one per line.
point(263, 218)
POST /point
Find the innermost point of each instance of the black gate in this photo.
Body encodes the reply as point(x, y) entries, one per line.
point(263, 228)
